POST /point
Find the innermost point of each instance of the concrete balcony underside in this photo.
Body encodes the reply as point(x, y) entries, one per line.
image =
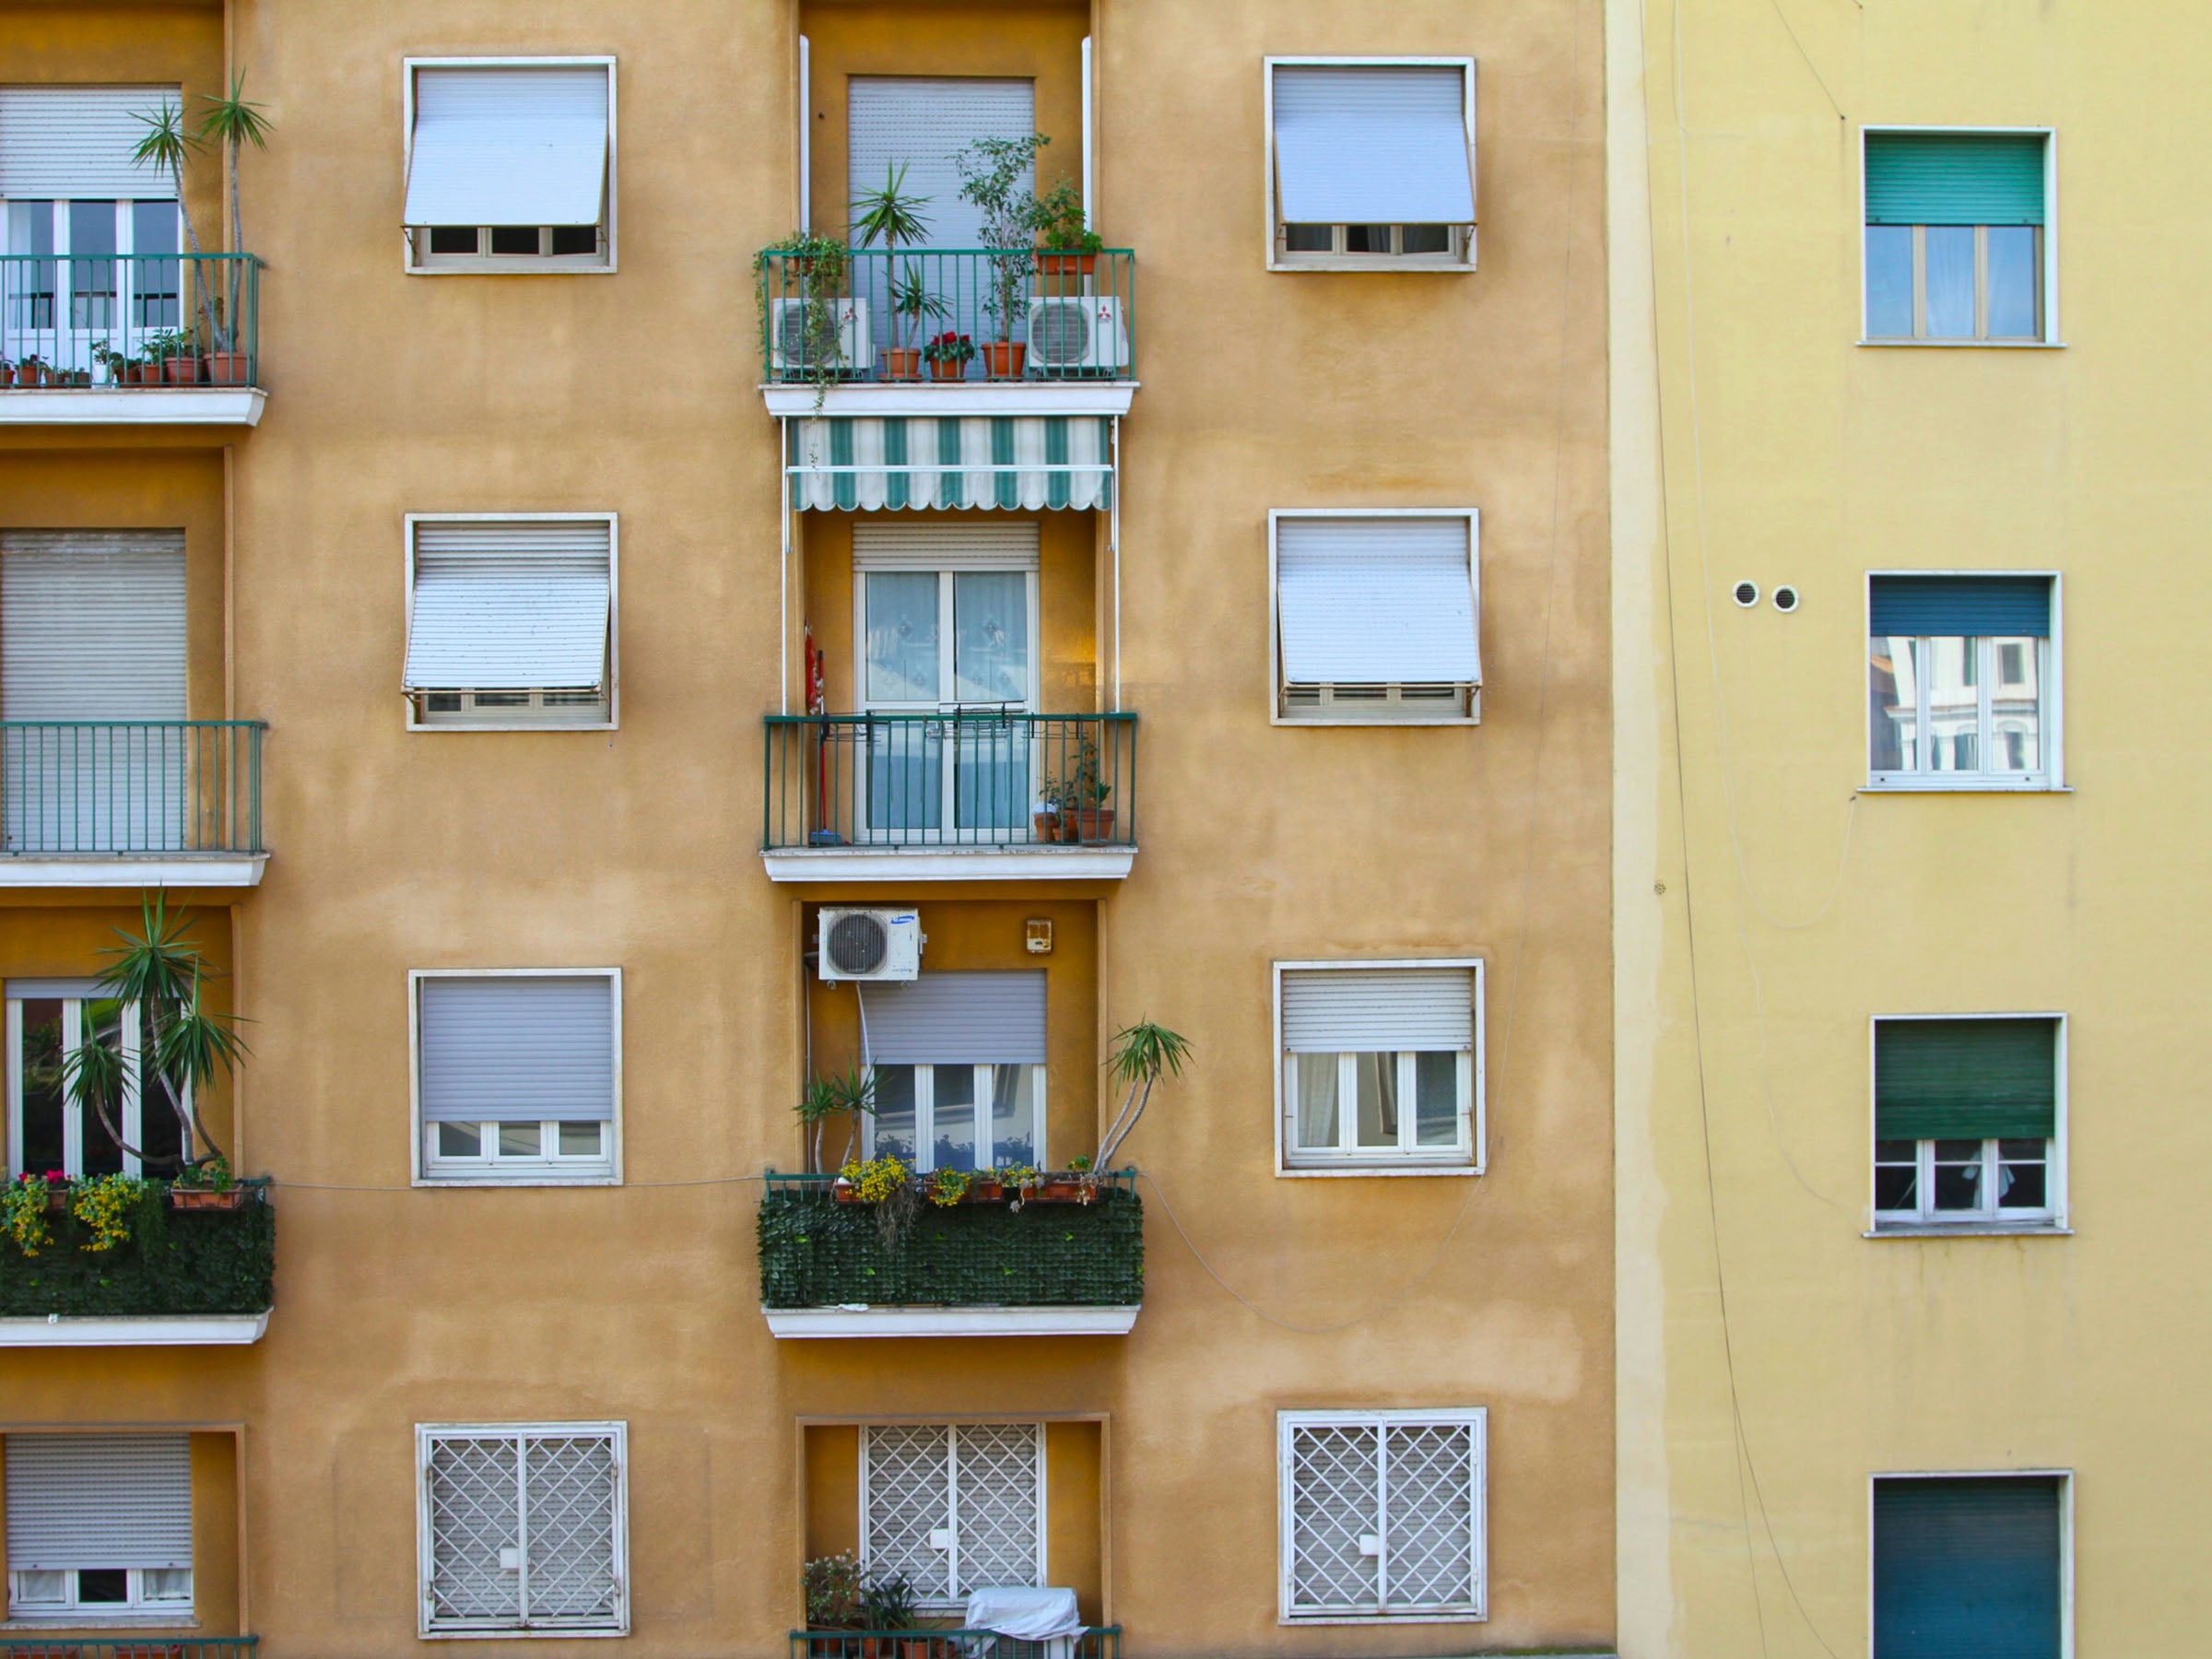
point(132, 406)
point(134, 1330)
point(132, 869)
point(949, 863)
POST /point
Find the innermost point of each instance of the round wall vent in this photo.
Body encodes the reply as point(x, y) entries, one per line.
point(1746, 594)
point(857, 943)
point(1785, 598)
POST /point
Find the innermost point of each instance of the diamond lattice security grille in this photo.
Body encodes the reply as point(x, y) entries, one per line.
point(909, 1495)
point(475, 1513)
point(976, 1483)
point(996, 1502)
point(1335, 1501)
point(571, 1484)
point(548, 1504)
point(1430, 1549)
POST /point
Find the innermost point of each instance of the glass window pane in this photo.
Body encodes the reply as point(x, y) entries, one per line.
point(522, 1140)
point(1958, 1175)
point(1897, 1186)
point(460, 1140)
point(1889, 282)
point(991, 638)
point(1950, 254)
point(2012, 282)
point(38, 1588)
point(2022, 1187)
point(153, 228)
point(906, 774)
point(900, 620)
point(581, 1140)
point(515, 239)
point(160, 1132)
point(103, 1584)
point(1954, 704)
point(1436, 1100)
point(1376, 1077)
point(1315, 1121)
point(1424, 239)
point(154, 278)
point(1367, 239)
point(892, 1132)
point(2016, 707)
point(1310, 238)
point(1893, 733)
point(41, 1062)
point(165, 1583)
point(575, 238)
point(92, 264)
point(1014, 1114)
point(453, 238)
point(952, 1117)
point(101, 1020)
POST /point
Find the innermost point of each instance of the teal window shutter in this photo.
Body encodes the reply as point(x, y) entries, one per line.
point(1967, 1568)
point(1955, 178)
point(1965, 1079)
point(1986, 605)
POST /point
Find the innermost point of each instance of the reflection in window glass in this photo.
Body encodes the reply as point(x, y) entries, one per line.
point(1012, 1114)
point(1376, 1077)
point(2012, 283)
point(41, 1102)
point(1951, 257)
point(1316, 1100)
point(952, 1117)
point(893, 1122)
point(902, 615)
point(1890, 281)
point(1436, 1100)
point(460, 1140)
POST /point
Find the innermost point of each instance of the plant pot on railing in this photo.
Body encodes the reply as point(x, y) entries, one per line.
point(180, 370)
point(1045, 820)
point(142, 374)
point(900, 364)
point(186, 1196)
point(228, 369)
point(1066, 264)
point(1005, 359)
point(1088, 824)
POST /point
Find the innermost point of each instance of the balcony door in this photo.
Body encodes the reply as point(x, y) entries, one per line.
point(948, 621)
point(100, 274)
point(46, 1130)
point(93, 754)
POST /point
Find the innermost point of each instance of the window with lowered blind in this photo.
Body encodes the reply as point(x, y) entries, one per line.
point(511, 165)
point(523, 1528)
point(1371, 163)
point(1970, 1565)
point(1382, 1515)
point(511, 622)
point(517, 1076)
point(959, 1060)
point(953, 1506)
point(1967, 1129)
point(1376, 618)
point(1962, 682)
point(1956, 224)
point(1381, 1066)
point(99, 1528)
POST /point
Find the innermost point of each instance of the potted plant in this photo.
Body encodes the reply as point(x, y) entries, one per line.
point(832, 1587)
point(810, 269)
point(913, 303)
point(947, 1187)
point(1140, 1053)
point(1070, 247)
point(949, 355)
point(891, 216)
point(1080, 798)
point(1045, 812)
point(31, 369)
point(210, 1186)
point(994, 177)
point(851, 1094)
point(225, 365)
point(887, 1604)
point(1074, 1184)
point(176, 351)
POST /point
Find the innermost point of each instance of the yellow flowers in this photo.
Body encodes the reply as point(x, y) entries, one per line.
point(103, 1202)
point(878, 1178)
point(23, 1213)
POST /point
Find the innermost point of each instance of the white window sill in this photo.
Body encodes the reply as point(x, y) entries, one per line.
point(1372, 721)
point(516, 265)
point(532, 1178)
point(1968, 784)
point(1970, 1229)
point(1972, 345)
point(1380, 1618)
point(520, 1632)
point(1404, 266)
point(509, 725)
point(103, 1621)
point(1392, 1172)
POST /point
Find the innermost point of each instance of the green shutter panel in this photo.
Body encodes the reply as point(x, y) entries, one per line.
point(1955, 178)
point(1965, 1079)
point(1967, 1568)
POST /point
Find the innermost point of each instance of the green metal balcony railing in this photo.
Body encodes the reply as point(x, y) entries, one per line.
point(934, 315)
point(174, 1262)
point(818, 1252)
point(968, 778)
point(1100, 1642)
point(130, 320)
point(131, 786)
point(129, 1647)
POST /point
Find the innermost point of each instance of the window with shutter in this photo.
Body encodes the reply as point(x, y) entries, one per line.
point(953, 1506)
point(511, 622)
point(958, 1064)
point(1381, 1066)
point(1962, 682)
point(98, 1527)
point(1969, 1567)
point(1967, 1129)
point(518, 1076)
point(523, 1528)
point(1376, 618)
point(1372, 163)
point(1382, 1515)
point(511, 166)
point(1955, 236)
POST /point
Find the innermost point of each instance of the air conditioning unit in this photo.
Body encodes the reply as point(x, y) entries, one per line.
point(1080, 334)
point(791, 353)
point(869, 943)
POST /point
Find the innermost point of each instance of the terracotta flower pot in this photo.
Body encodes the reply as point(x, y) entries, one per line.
point(917, 1647)
point(844, 1192)
point(1046, 824)
point(1066, 264)
point(1004, 360)
point(228, 369)
point(899, 362)
point(1058, 1189)
point(981, 1191)
point(30, 374)
point(180, 370)
point(948, 368)
point(1088, 824)
point(206, 1198)
point(144, 374)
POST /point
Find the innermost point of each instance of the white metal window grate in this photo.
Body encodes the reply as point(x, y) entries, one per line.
point(954, 1506)
point(523, 1529)
point(1383, 1514)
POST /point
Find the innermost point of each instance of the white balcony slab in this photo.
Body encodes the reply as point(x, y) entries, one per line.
point(130, 869)
point(948, 1322)
point(132, 406)
point(134, 1330)
point(949, 863)
point(979, 397)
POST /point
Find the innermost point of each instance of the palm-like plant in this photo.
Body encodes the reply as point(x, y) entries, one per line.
point(233, 122)
point(160, 972)
point(891, 216)
point(167, 146)
point(1141, 1052)
point(848, 1095)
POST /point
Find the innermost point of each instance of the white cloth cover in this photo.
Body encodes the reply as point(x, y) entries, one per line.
point(1025, 1612)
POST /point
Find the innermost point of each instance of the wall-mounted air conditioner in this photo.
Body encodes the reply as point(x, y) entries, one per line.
point(1080, 334)
point(795, 350)
point(869, 943)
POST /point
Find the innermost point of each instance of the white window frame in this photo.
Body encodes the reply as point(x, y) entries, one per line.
point(956, 1425)
point(78, 1121)
point(137, 1609)
point(1468, 715)
point(2049, 667)
point(1476, 1417)
point(1461, 257)
point(505, 264)
point(925, 1112)
point(494, 721)
point(1929, 1223)
point(2065, 1535)
point(2050, 337)
point(491, 1170)
point(1469, 1158)
point(428, 1435)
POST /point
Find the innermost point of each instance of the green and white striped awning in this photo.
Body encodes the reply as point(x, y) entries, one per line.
point(1023, 462)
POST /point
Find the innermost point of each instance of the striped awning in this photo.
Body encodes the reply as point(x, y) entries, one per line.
point(1025, 462)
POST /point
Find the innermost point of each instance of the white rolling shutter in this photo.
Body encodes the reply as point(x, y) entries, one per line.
point(523, 1046)
point(523, 145)
point(1372, 145)
point(518, 605)
point(78, 1500)
point(92, 625)
point(943, 547)
point(76, 141)
point(957, 1019)
point(1377, 600)
point(924, 122)
point(1375, 1010)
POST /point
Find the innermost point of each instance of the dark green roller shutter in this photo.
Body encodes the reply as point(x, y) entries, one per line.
point(2000, 605)
point(1967, 1568)
point(1955, 178)
point(1965, 1079)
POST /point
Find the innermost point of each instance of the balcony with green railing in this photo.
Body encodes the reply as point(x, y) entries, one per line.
point(951, 1642)
point(62, 1646)
point(130, 803)
point(973, 794)
point(122, 339)
point(1064, 1257)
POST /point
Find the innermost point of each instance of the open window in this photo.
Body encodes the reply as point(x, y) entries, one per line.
point(510, 164)
point(1371, 163)
point(1376, 618)
point(958, 1059)
point(511, 622)
point(1969, 1128)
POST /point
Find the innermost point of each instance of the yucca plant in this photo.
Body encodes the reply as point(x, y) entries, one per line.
point(163, 974)
point(167, 146)
point(850, 1094)
point(1141, 1054)
point(232, 122)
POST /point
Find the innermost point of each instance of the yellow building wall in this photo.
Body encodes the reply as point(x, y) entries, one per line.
point(1774, 1358)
